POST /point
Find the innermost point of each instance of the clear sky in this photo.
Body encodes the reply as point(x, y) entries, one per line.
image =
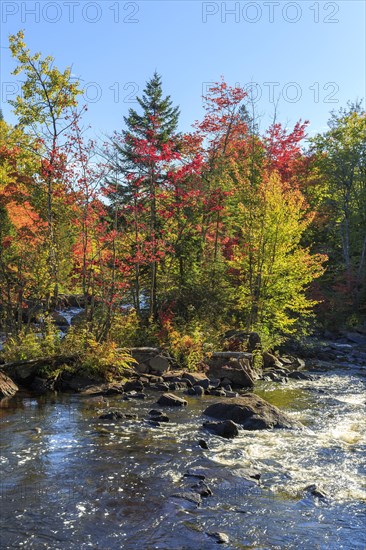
point(310, 55)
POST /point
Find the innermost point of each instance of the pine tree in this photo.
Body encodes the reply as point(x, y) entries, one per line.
point(142, 154)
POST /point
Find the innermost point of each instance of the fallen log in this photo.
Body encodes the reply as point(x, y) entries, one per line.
point(7, 386)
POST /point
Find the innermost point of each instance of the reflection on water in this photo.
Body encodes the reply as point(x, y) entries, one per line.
point(70, 480)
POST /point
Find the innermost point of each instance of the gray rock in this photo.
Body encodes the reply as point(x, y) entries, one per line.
point(197, 379)
point(221, 538)
point(178, 386)
point(315, 491)
point(171, 400)
point(199, 474)
point(251, 412)
point(134, 395)
point(202, 489)
point(198, 390)
point(111, 415)
point(234, 368)
point(159, 416)
point(270, 361)
point(133, 385)
point(159, 364)
point(227, 429)
point(219, 393)
point(231, 394)
point(160, 387)
point(103, 389)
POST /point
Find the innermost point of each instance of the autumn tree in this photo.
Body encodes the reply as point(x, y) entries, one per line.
point(340, 191)
point(46, 109)
point(142, 157)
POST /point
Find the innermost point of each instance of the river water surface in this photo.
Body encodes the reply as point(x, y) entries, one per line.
point(72, 481)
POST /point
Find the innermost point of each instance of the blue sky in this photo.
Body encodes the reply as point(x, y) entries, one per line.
point(309, 55)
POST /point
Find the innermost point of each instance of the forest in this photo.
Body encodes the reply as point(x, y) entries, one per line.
point(171, 239)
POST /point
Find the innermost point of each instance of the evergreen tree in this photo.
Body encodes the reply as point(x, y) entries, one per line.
point(142, 155)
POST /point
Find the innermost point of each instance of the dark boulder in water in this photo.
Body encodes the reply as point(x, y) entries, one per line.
point(251, 412)
point(227, 428)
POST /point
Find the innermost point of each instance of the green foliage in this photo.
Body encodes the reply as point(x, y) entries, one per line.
point(46, 91)
point(190, 343)
point(33, 343)
point(339, 192)
point(105, 358)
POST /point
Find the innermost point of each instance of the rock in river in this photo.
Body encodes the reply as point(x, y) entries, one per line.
point(227, 428)
point(171, 400)
point(251, 412)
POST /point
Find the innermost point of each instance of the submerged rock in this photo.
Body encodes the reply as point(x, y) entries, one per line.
point(298, 375)
point(316, 491)
point(134, 395)
point(111, 415)
point(171, 400)
point(158, 416)
point(190, 496)
point(227, 428)
point(251, 412)
point(199, 474)
point(202, 489)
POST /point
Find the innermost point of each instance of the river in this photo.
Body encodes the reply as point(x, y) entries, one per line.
point(73, 481)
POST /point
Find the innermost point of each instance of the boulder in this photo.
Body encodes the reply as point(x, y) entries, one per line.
point(270, 361)
point(173, 376)
point(133, 385)
point(227, 428)
point(143, 357)
point(198, 474)
point(202, 489)
point(198, 390)
point(7, 386)
point(236, 374)
point(197, 379)
point(236, 368)
point(171, 400)
point(177, 386)
point(103, 389)
point(316, 491)
point(161, 387)
point(134, 395)
point(158, 416)
point(111, 415)
point(79, 383)
point(251, 412)
point(160, 364)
